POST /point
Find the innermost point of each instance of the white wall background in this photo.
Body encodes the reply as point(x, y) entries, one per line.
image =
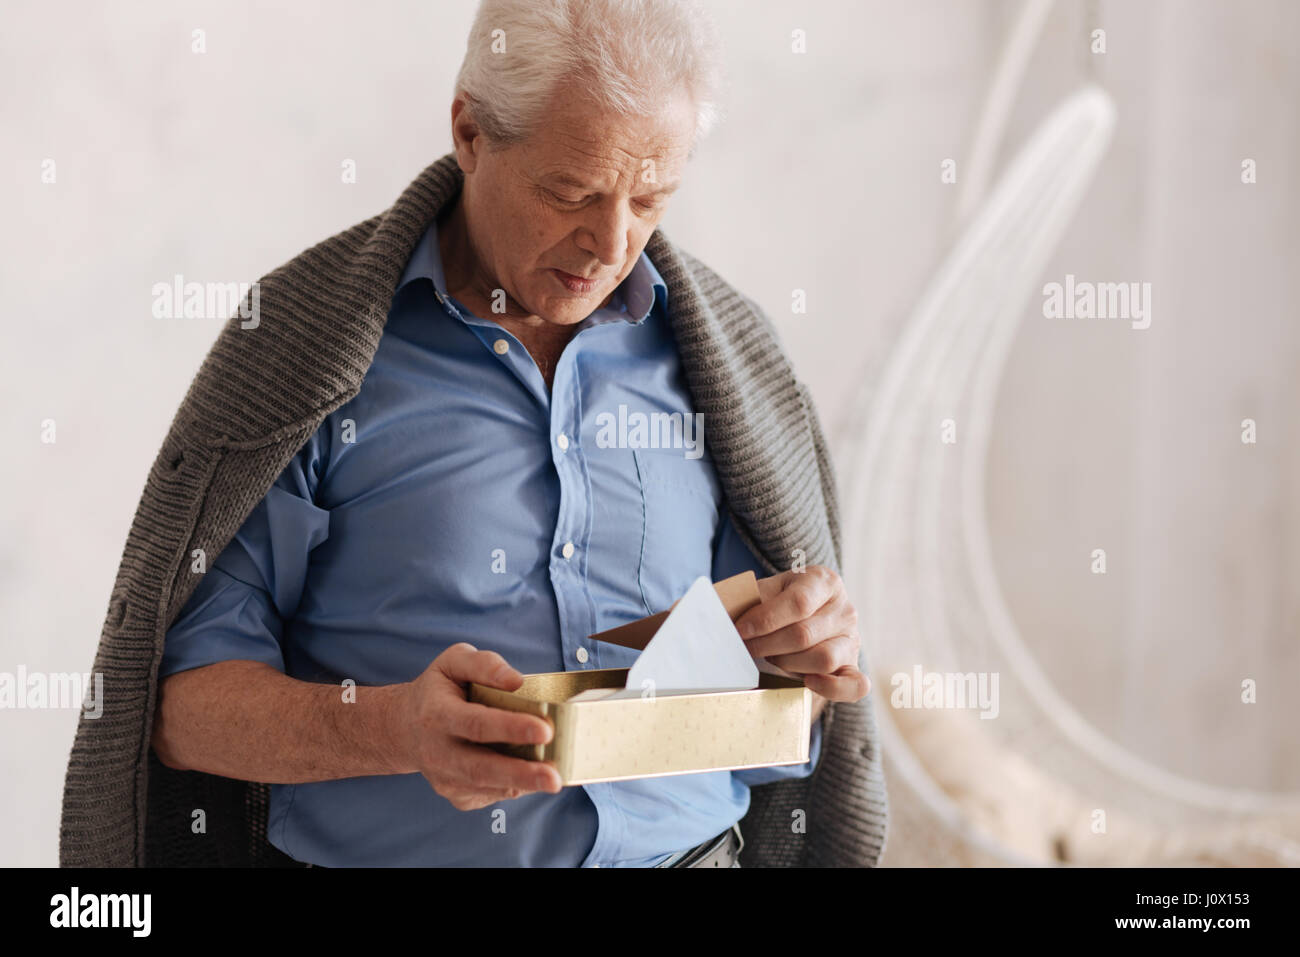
point(826, 178)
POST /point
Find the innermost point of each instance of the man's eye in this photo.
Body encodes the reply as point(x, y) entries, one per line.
point(565, 200)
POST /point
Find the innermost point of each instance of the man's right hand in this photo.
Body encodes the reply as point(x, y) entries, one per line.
point(445, 736)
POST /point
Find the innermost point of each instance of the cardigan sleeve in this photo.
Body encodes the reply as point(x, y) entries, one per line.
point(239, 608)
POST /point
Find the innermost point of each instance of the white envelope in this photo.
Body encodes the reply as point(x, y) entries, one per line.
point(696, 650)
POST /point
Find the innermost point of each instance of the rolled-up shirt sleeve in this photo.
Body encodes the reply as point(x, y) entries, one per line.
point(238, 609)
point(731, 556)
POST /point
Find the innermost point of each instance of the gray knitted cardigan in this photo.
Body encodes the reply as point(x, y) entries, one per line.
point(261, 393)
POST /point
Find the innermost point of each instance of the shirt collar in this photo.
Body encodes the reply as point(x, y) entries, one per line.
point(632, 301)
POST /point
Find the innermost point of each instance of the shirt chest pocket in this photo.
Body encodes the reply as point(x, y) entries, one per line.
point(681, 503)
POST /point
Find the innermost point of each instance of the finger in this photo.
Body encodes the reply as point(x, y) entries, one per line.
point(469, 800)
point(463, 663)
point(773, 585)
point(824, 658)
point(466, 800)
point(483, 724)
point(476, 767)
point(800, 636)
point(847, 684)
point(802, 595)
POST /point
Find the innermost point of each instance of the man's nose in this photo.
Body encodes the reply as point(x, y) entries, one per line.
point(604, 234)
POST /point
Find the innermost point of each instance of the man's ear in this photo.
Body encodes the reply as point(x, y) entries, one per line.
point(465, 134)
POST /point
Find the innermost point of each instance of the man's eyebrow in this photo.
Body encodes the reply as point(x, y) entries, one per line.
point(665, 188)
point(566, 179)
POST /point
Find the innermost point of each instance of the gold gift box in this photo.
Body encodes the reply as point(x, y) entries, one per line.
point(669, 734)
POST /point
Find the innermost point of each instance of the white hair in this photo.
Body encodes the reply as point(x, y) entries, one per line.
point(628, 54)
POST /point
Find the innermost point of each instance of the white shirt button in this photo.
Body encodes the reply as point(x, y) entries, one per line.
point(567, 550)
point(562, 441)
point(501, 346)
point(581, 655)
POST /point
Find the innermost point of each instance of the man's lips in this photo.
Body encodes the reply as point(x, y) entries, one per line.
point(575, 283)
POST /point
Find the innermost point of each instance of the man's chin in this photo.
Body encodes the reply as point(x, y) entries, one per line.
point(569, 311)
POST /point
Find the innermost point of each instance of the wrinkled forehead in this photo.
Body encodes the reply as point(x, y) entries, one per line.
point(583, 144)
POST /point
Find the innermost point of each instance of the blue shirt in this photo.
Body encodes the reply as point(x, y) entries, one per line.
point(455, 499)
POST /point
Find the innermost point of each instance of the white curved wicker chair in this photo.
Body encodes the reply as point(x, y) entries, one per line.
point(1020, 789)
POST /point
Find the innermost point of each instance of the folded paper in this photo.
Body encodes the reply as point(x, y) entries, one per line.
point(696, 650)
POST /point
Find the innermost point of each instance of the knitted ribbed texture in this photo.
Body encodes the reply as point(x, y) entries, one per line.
point(257, 398)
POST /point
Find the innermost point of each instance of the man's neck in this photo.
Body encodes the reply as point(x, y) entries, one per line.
point(545, 341)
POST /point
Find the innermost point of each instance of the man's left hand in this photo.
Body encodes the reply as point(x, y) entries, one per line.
point(805, 624)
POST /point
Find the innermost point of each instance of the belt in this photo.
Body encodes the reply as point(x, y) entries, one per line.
point(721, 851)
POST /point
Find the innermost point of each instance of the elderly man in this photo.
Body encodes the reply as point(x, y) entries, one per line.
point(440, 510)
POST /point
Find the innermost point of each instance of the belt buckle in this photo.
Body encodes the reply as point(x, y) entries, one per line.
point(701, 852)
point(710, 850)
